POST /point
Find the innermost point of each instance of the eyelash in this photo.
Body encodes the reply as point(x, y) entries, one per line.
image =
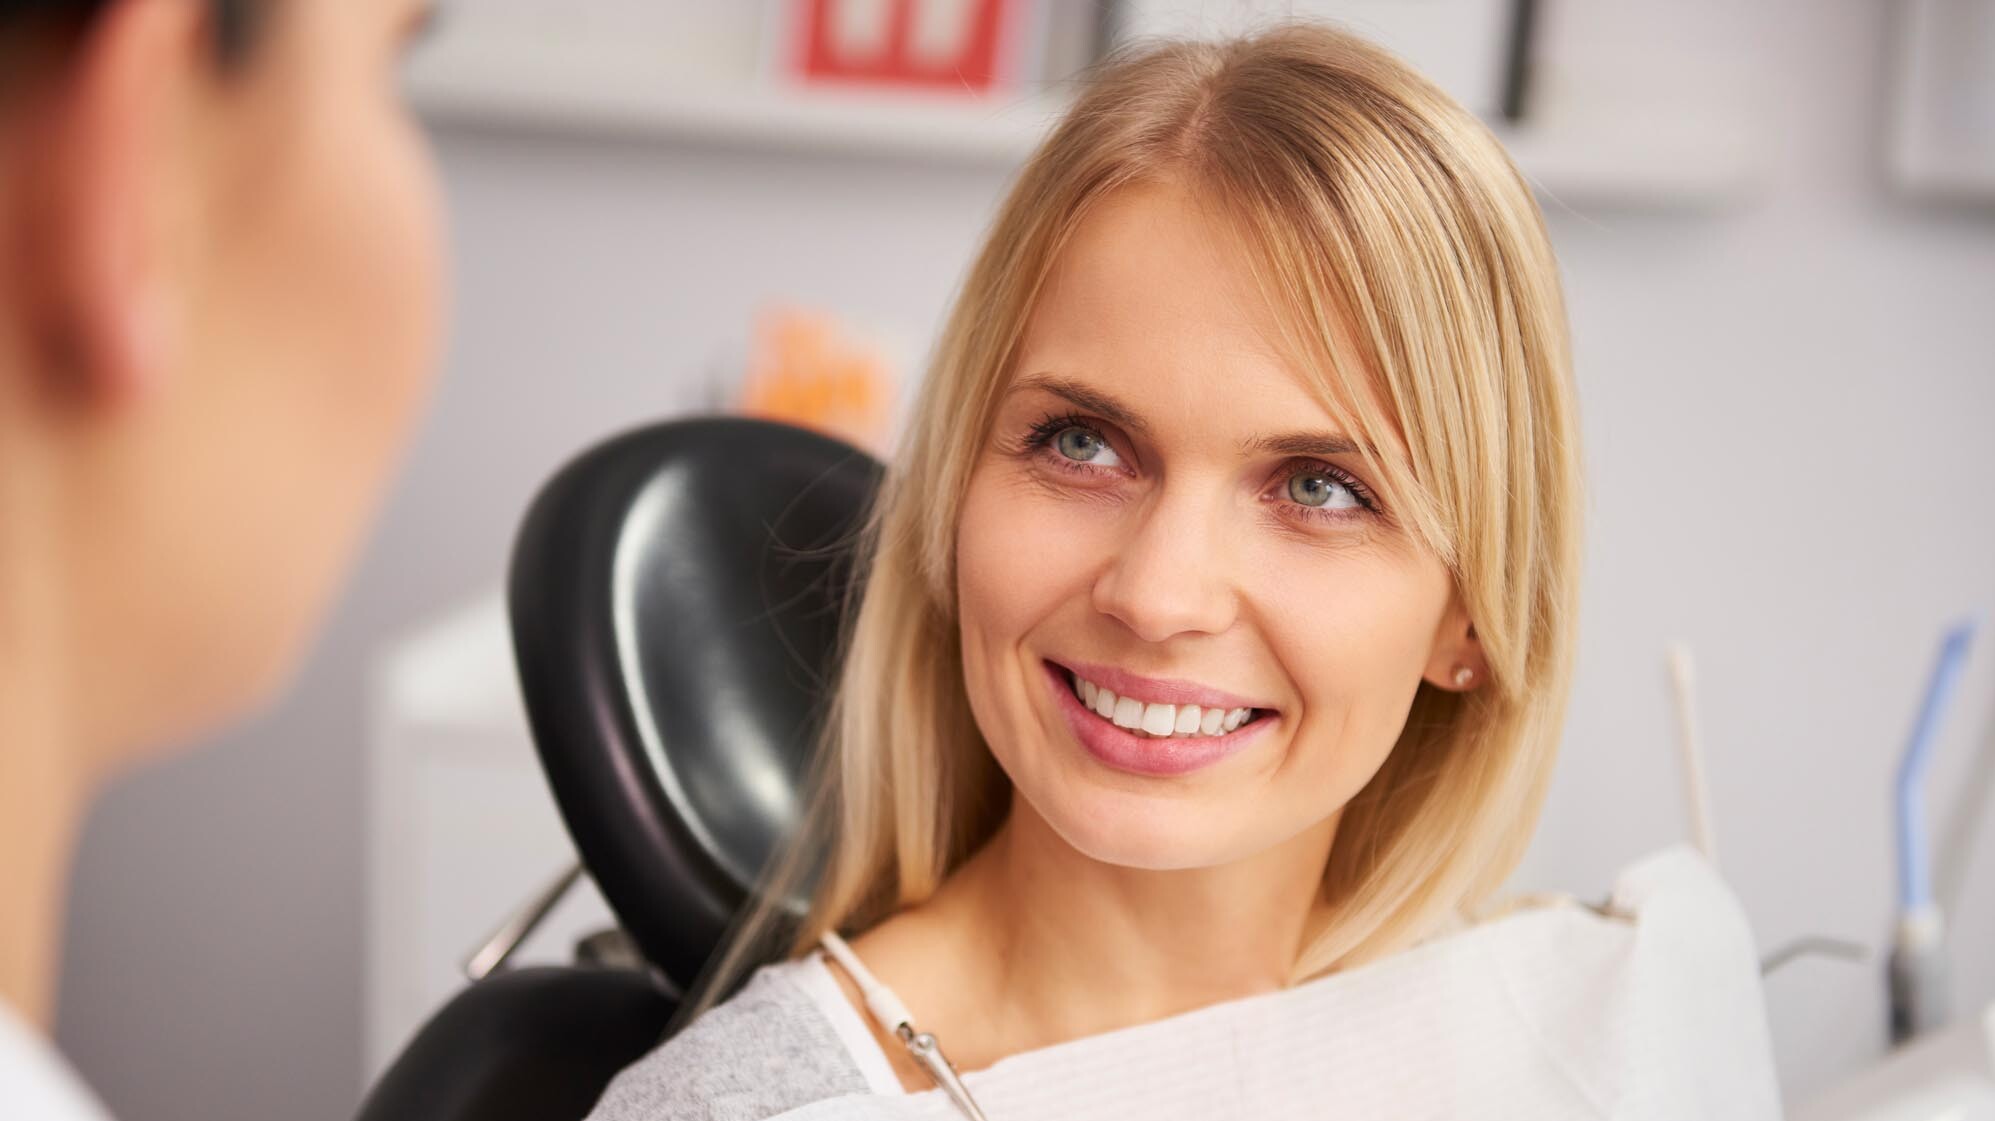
point(1038, 440)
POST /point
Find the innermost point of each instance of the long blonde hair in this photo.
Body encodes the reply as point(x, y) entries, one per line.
point(1401, 247)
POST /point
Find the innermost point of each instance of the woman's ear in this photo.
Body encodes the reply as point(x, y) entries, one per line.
point(106, 191)
point(1456, 663)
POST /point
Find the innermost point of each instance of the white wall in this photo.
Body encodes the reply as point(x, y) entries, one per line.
point(1787, 411)
point(1786, 407)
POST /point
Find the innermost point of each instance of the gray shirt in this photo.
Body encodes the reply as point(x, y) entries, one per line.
point(765, 1051)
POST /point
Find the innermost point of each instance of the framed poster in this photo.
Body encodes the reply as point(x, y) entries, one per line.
point(974, 47)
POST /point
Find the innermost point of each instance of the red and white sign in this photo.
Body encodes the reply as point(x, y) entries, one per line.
point(962, 45)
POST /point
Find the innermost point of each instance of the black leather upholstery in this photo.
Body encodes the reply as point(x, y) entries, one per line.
point(675, 596)
point(530, 1045)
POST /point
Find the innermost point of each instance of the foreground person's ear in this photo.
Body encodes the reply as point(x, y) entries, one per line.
point(107, 189)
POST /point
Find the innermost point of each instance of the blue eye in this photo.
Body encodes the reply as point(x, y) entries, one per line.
point(1320, 491)
point(1085, 446)
point(1071, 443)
point(1316, 492)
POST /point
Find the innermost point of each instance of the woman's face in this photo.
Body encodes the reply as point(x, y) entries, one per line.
point(1164, 509)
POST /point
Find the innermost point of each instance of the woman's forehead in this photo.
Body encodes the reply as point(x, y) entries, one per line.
point(1154, 305)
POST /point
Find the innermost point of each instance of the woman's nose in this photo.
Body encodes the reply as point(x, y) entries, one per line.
point(1171, 574)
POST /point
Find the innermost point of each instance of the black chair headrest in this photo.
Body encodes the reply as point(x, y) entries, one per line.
point(675, 597)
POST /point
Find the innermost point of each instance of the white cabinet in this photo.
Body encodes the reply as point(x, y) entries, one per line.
point(461, 826)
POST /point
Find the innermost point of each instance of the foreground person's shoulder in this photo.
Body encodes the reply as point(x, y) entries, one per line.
point(763, 1052)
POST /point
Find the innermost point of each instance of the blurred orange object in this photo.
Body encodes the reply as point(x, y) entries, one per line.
point(808, 369)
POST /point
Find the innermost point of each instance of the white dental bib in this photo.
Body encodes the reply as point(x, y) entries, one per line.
point(1544, 1014)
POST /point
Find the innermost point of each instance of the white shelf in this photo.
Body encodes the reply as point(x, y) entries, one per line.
point(1615, 161)
point(1662, 164)
point(998, 130)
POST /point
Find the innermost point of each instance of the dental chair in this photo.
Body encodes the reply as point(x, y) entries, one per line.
point(675, 597)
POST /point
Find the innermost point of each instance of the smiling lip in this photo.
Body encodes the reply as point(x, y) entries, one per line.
point(1124, 750)
point(1160, 690)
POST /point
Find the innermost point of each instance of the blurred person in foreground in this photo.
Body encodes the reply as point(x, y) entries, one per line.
point(220, 279)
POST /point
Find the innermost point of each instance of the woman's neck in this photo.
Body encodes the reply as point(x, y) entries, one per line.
point(1032, 943)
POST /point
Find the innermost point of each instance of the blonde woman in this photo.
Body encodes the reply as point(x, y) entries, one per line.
point(1213, 655)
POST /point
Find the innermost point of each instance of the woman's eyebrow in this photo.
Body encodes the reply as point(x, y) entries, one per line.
point(1321, 445)
point(1092, 400)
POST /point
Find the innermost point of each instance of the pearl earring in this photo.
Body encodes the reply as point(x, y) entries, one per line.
point(1463, 675)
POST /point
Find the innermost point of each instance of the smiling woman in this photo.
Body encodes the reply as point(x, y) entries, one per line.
point(1219, 620)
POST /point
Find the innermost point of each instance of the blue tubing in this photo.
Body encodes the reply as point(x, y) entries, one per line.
point(1915, 873)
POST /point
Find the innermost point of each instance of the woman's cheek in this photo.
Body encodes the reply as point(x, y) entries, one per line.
point(1022, 547)
point(1364, 638)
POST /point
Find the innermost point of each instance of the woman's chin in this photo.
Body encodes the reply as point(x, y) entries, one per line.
point(1131, 830)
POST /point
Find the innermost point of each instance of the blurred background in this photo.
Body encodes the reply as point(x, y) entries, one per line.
point(1777, 228)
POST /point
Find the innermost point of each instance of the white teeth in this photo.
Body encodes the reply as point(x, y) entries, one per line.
point(1188, 720)
point(1128, 713)
point(1159, 720)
